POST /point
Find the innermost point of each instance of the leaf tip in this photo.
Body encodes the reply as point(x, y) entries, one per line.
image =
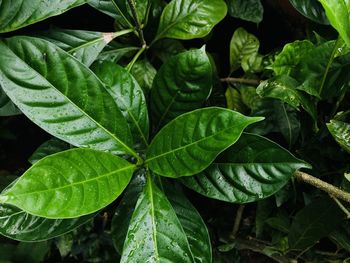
point(3, 199)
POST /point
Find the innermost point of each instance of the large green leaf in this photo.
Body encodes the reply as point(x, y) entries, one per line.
point(189, 143)
point(70, 184)
point(182, 84)
point(312, 9)
point(49, 147)
point(7, 108)
point(188, 19)
point(155, 233)
point(249, 10)
point(20, 13)
point(252, 169)
point(129, 97)
point(340, 130)
point(242, 45)
point(61, 95)
point(84, 45)
point(337, 12)
point(192, 223)
point(316, 220)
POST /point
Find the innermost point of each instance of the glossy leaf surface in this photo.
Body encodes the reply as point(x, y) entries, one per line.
point(249, 10)
point(144, 73)
point(155, 233)
point(188, 19)
point(61, 95)
point(252, 169)
point(70, 184)
point(182, 84)
point(189, 143)
point(192, 223)
point(20, 13)
point(129, 97)
point(340, 131)
point(49, 147)
point(7, 108)
point(312, 9)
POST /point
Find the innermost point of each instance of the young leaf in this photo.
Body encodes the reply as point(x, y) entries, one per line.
point(84, 45)
point(144, 72)
point(128, 96)
point(242, 45)
point(70, 184)
point(49, 147)
point(182, 84)
point(155, 233)
point(338, 15)
point(311, 9)
point(192, 223)
point(20, 13)
point(341, 133)
point(188, 19)
point(188, 144)
point(7, 108)
point(249, 10)
point(316, 220)
point(61, 95)
point(252, 169)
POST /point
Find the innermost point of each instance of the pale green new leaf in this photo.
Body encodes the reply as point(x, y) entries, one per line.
point(249, 10)
point(312, 9)
point(182, 84)
point(70, 184)
point(188, 144)
point(188, 19)
point(129, 97)
point(61, 95)
point(252, 169)
point(155, 233)
point(20, 13)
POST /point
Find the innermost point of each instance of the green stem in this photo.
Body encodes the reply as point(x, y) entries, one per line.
point(137, 22)
point(132, 62)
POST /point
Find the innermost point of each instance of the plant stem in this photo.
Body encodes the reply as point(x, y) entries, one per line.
point(253, 82)
point(137, 22)
point(341, 206)
point(132, 62)
point(330, 189)
point(237, 222)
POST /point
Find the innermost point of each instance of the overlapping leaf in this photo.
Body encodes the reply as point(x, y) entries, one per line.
point(189, 143)
point(129, 97)
point(155, 233)
point(249, 10)
point(70, 184)
point(188, 19)
point(144, 72)
point(312, 9)
point(182, 84)
point(61, 95)
point(20, 13)
point(252, 169)
point(7, 108)
point(49, 147)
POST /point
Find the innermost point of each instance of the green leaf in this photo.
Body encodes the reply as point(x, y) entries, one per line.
point(49, 147)
point(242, 45)
point(252, 169)
point(337, 12)
point(313, 222)
point(155, 233)
point(166, 48)
point(182, 84)
point(144, 72)
point(192, 223)
point(116, 51)
point(20, 13)
point(252, 64)
point(340, 131)
point(129, 97)
point(311, 9)
point(188, 144)
point(19, 225)
point(249, 10)
point(84, 45)
point(286, 62)
point(142, 7)
point(342, 236)
point(70, 184)
point(188, 19)
point(7, 108)
point(61, 95)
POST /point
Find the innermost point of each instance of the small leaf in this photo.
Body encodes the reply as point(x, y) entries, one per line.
point(311, 9)
point(7, 107)
point(128, 96)
point(313, 222)
point(49, 147)
point(188, 19)
point(249, 10)
point(341, 133)
point(252, 169)
point(70, 184)
point(182, 84)
point(155, 233)
point(242, 45)
point(144, 72)
point(20, 13)
point(188, 144)
point(61, 95)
